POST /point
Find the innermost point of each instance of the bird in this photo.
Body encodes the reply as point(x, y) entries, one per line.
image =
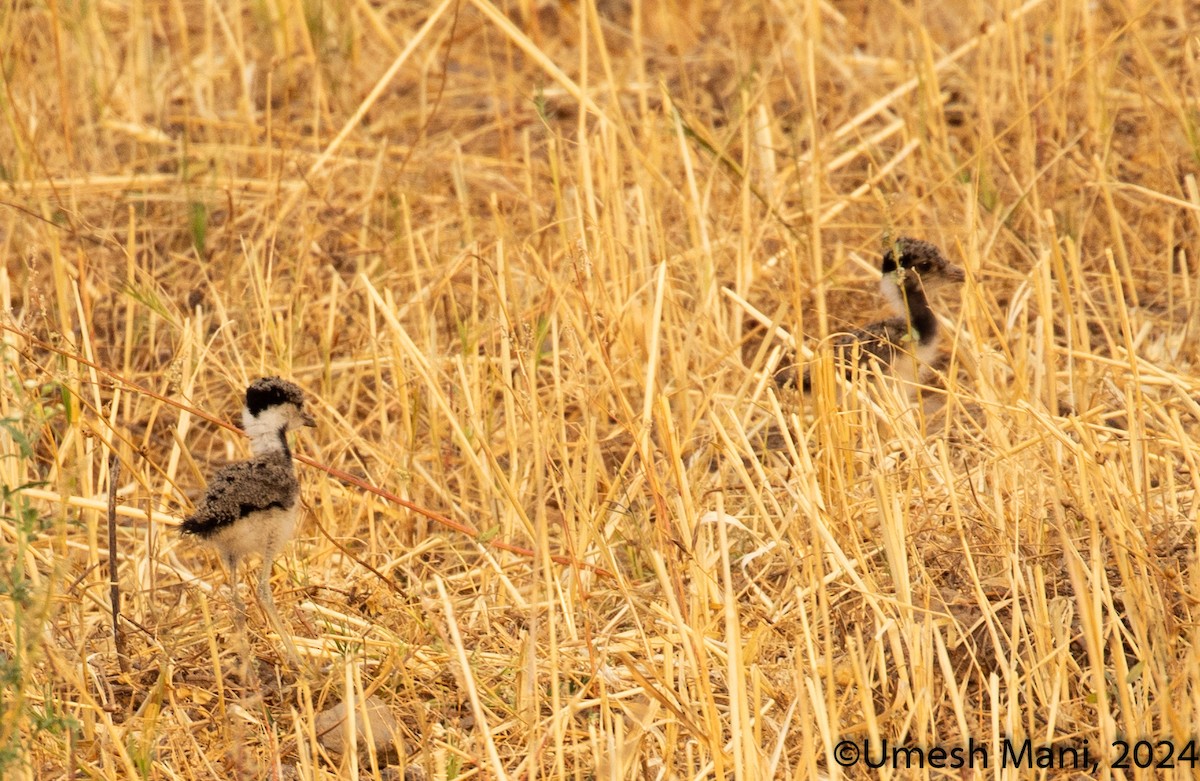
point(253, 506)
point(897, 345)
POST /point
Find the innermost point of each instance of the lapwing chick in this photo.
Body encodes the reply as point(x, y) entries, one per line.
point(253, 506)
point(900, 344)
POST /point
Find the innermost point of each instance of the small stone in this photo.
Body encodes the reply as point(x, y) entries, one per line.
point(385, 730)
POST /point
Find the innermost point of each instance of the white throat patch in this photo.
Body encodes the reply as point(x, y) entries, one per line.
point(264, 429)
point(889, 286)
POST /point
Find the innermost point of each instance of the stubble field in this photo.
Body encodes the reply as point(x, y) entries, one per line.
point(535, 263)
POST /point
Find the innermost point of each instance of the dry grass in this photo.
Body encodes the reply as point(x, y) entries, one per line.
point(514, 253)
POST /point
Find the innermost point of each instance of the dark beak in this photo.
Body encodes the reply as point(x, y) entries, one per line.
point(308, 419)
point(955, 273)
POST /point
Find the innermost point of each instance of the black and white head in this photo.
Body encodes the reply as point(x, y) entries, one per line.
point(913, 265)
point(274, 405)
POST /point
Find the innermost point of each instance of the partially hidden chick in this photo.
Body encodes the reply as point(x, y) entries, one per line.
point(900, 344)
